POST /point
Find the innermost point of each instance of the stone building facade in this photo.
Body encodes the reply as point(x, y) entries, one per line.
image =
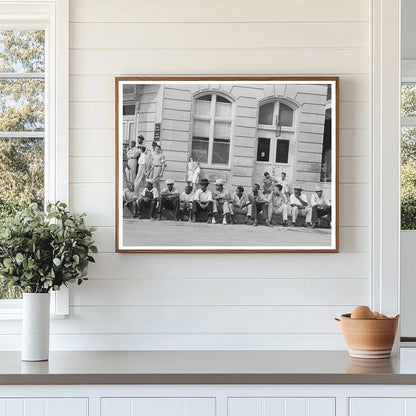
point(236, 131)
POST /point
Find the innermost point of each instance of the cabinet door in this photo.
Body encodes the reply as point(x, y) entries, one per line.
point(255, 406)
point(382, 407)
point(160, 406)
point(44, 407)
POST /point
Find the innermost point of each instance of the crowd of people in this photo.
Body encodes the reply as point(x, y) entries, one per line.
point(143, 172)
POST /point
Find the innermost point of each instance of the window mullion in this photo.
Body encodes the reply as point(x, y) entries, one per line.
point(211, 129)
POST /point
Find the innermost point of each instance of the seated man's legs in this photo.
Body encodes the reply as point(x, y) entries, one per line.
point(281, 210)
point(142, 204)
point(320, 212)
point(306, 212)
point(185, 207)
point(198, 206)
point(168, 203)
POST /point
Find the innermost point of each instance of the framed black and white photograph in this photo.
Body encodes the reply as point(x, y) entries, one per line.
point(232, 164)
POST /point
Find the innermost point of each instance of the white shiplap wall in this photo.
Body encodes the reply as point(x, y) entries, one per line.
point(181, 301)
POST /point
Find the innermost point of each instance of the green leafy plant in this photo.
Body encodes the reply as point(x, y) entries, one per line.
point(43, 251)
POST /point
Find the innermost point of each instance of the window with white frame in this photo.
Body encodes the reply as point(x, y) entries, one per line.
point(212, 129)
point(33, 112)
point(408, 154)
point(275, 117)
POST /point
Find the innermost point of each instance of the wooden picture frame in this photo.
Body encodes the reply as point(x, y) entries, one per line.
point(280, 133)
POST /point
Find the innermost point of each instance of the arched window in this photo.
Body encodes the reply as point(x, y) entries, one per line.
point(211, 129)
point(270, 114)
point(275, 129)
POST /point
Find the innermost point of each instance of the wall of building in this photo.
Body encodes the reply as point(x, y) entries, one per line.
point(214, 301)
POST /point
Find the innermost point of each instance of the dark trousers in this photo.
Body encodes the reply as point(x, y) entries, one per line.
point(320, 212)
point(142, 204)
point(169, 203)
point(257, 208)
point(196, 207)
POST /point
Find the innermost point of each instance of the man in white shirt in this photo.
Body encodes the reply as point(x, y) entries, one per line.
point(169, 199)
point(320, 206)
point(300, 206)
point(278, 204)
point(148, 198)
point(202, 201)
point(259, 204)
point(221, 202)
point(285, 185)
point(185, 203)
point(240, 203)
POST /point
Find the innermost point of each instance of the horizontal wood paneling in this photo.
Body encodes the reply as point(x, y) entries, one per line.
point(201, 319)
point(220, 291)
point(202, 266)
point(222, 301)
point(231, 62)
point(166, 341)
point(221, 35)
point(218, 11)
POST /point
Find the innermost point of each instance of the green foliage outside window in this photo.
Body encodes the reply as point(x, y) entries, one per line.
point(408, 160)
point(21, 110)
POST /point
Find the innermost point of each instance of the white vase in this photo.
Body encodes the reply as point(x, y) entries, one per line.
point(35, 326)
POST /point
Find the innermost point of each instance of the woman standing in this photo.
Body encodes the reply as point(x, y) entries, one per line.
point(141, 171)
point(158, 167)
point(132, 155)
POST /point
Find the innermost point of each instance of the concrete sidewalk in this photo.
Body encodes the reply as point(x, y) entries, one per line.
point(149, 233)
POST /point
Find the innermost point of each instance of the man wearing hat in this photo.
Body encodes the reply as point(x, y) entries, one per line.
point(221, 202)
point(169, 199)
point(140, 139)
point(300, 206)
point(148, 198)
point(320, 206)
point(277, 205)
point(202, 200)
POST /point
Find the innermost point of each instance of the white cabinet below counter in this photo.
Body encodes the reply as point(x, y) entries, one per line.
point(159, 406)
point(43, 407)
point(382, 406)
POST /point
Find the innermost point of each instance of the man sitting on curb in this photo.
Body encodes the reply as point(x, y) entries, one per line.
point(148, 198)
point(169, 199)
point(320, 206)
point(258, 204)
point(278, 204)
point(222, 200)
point(240, 203)
point(202, 201)
point(299, 204)
point(185, 203)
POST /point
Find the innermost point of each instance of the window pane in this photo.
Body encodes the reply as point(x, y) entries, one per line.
point(221, 99)
point(266, 114)
point(286, 115)
point(408, 100)
point(21, 179)
point(201, 128)
point(222, 130)
point(282, 151)
point(221, 152)
point(408, 175)
point(223, 110)
point(22, 105)
point(263, 149)
point(22, 51)
point(200, 147)
point(203, 108)
point(128, 109)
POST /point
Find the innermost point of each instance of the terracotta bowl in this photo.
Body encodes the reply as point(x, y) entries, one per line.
point(369, 338)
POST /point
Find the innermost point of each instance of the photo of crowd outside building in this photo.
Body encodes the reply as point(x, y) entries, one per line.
point(275, 137)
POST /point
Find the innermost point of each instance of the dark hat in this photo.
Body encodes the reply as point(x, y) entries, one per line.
point(204, 182)
point(154, 144)
point(140, 136)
